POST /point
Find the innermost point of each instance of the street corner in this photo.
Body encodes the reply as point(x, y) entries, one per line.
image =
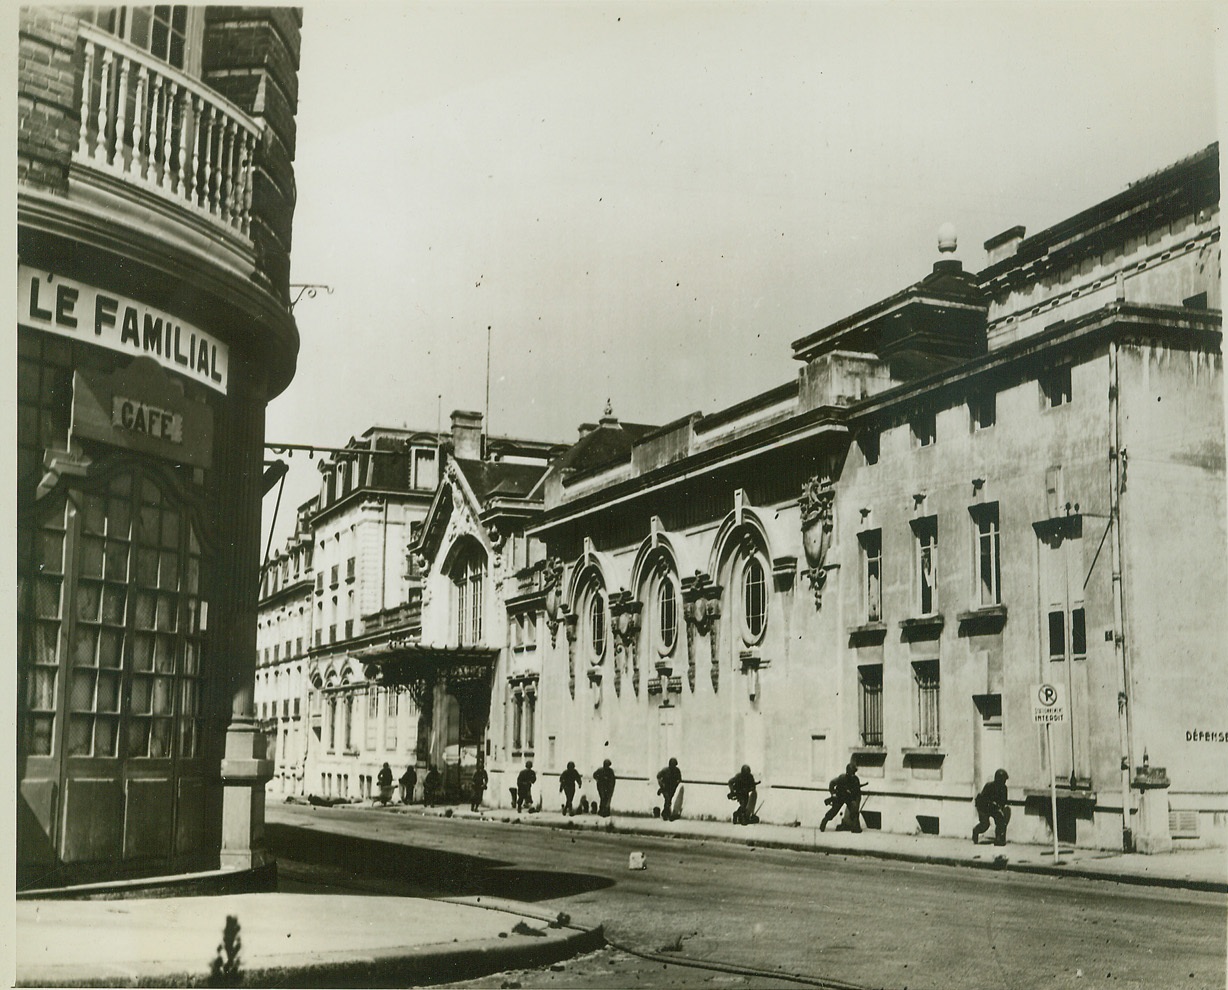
point(287, 940)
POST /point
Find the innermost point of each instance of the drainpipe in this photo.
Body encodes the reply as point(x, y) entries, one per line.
point(1121, 654)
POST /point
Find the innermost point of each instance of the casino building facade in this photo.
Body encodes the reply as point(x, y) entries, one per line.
point(988, 492)
point(155, 200)
point(985, 483)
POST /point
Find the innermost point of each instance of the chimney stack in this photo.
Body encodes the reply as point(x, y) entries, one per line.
point(466, 435)
point(1004, 245)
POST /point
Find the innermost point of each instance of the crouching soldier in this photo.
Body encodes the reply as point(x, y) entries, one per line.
point(743, 788)
point(992, 803)
point(605, 779)
point(524, 787)
point(845, 793)
point(569, 780)
point(668, 780)
point(430, 786)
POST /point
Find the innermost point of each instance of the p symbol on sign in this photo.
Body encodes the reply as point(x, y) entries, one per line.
point(1047, 694)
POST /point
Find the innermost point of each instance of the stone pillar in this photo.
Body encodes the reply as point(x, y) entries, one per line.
point(1151, 832)
point(244, 773)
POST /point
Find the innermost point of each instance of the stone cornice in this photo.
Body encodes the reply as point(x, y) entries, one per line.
point(154, 251)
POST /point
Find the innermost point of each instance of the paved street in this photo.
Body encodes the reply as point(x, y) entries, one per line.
point(826, 918)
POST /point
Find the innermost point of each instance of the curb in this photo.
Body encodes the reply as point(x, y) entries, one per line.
point(391, 967)
point(1036, 869)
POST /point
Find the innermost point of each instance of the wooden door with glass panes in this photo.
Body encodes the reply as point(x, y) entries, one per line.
point(113, 635)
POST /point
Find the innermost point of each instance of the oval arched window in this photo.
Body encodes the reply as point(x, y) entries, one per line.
point(596, 624)
point(667, 615)
point(754, 600)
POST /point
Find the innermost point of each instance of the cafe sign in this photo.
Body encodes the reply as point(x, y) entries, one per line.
point(59, 305)
point(143, 409)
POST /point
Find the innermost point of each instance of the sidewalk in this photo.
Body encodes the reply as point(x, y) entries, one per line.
point(296, 940)
point(1192, 869)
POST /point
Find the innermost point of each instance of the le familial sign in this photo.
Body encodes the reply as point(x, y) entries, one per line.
point(59, 305)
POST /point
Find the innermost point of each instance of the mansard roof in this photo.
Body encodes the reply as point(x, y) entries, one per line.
point(606, 443)
point(500, 478)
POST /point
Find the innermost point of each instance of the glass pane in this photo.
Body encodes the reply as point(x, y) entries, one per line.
point(40, 727)
point(193, 543)
point(113, 600)
point(139, 704)
point(187, 698)
point(81, 693)
point(108, 693)
point(138, 32)
point(1057, 636)
point(1078, 633)
point(187, 737)
point(147, 568)
point(44, 640)
point(145, 603)
point(121, 485)
point(164, 654)
point(150, 495)
point(51, 551)
point(142, 652)
point(168, 571)
point(106, 736)
point(160, 740)
point(85, 649)
point(117, 562)
point(47, 598)
point(146, 529)
point(168, 608)
point(40, 688)
point(93, 516)
point(119, 518)
point(111, 648)
point(170, 529)
point(89, 598)
point(163, 697)
point(192, 580)
point(137, 743)
point(190, 661)
point(80, 730)
point(158, 46)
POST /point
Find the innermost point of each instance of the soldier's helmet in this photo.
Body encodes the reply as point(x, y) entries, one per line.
point(1000, 775)
point(673, 761)
point(605, 763)
point(528, 764)
point(746, 768)
point(570, 765)
point(851, 768)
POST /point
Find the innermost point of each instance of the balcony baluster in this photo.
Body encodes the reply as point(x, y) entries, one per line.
point(145, 122)
point(138, 122)
point(104, 94)
point(88, 74)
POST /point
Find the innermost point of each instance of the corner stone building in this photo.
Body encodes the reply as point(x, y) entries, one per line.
point(155, 200)
point(981, 484)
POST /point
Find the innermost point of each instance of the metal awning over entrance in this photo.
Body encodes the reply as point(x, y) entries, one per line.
point(420, 666)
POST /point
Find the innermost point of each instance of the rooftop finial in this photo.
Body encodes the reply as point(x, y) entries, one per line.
point(609, 408)
point(946, 238)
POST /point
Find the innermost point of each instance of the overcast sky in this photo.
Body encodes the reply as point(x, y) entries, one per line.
point(650, 201)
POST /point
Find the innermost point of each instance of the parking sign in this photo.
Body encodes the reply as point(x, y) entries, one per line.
point(1048, 703)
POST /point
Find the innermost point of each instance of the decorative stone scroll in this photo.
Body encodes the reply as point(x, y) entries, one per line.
point(625, 625)
point(701, 605)
point(816, 508)
point(570, 618)
point(552, 585)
